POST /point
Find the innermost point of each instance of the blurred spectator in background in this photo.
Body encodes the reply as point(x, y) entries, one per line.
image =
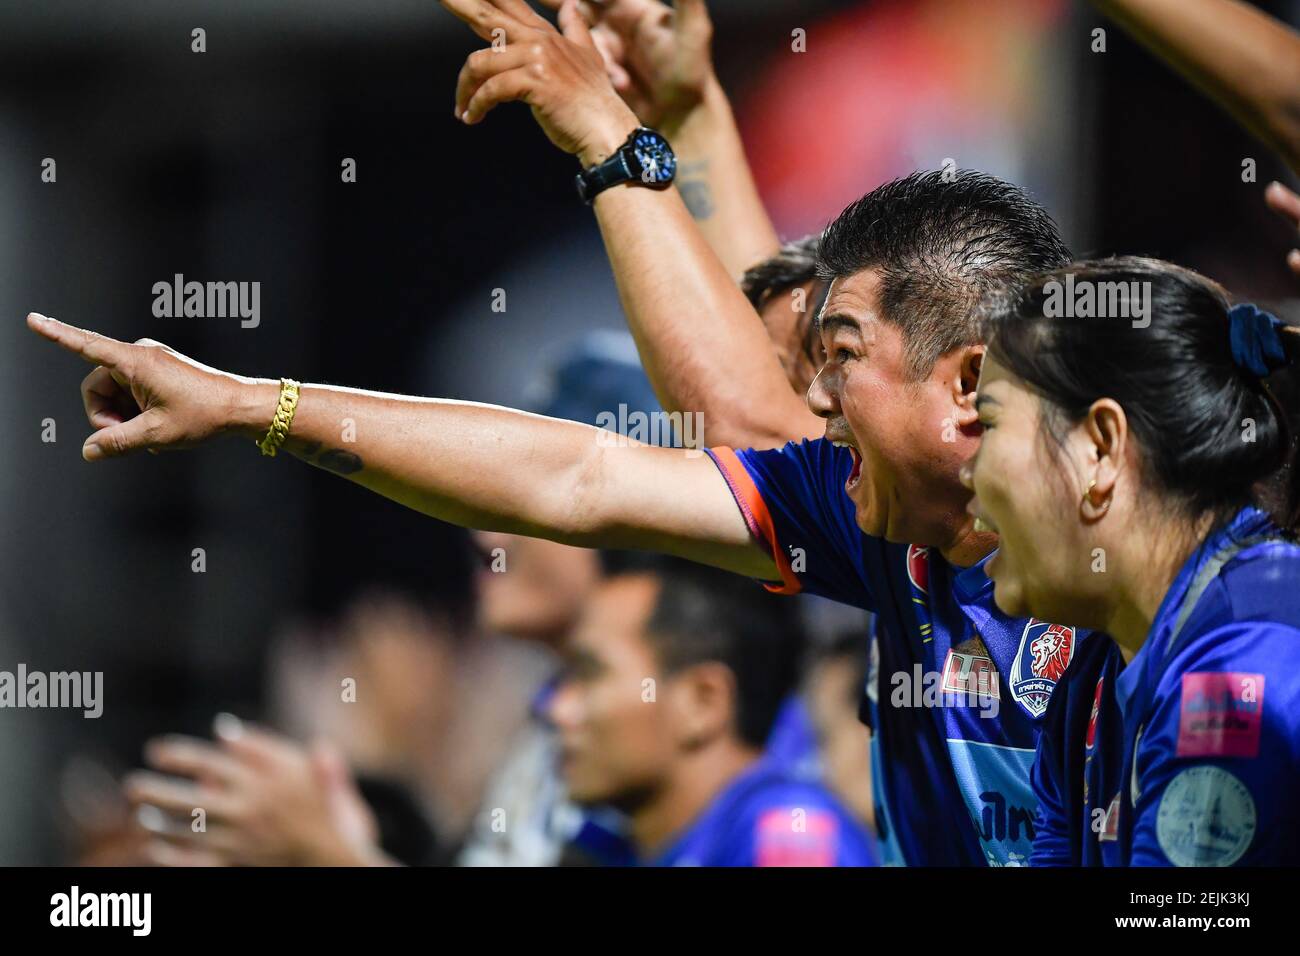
point(434, 706)
point(394, 687)
point(833, 688)
point(674, 677)
point(394, 692)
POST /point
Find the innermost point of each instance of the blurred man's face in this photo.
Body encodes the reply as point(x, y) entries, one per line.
point(844, 742)
point(787, 317)
point(909, 437)
point(531, 587)
point(617, 745)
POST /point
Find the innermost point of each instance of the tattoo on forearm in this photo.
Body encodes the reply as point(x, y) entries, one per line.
point(340, 462)
point(694, 187)
point(331, 459)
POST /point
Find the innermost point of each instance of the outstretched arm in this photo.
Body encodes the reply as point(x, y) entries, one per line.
point(473, 465)
point(702, 344)
point(1238, 55)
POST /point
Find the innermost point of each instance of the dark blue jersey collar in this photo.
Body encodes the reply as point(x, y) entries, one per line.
point(1248, 523)
point(971, 583)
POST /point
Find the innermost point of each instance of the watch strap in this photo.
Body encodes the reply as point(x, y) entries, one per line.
point(596, 179)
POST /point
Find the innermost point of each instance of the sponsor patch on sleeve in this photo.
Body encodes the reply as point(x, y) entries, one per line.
point(1220, 714)
point(795, 836)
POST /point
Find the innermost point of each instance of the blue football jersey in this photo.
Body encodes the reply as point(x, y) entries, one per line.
point(1077, 767)
point(768, 817)
point(792, 742)
point(1194, 751)
point(958, 690)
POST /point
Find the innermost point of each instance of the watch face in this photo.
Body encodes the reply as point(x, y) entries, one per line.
point(654, 157)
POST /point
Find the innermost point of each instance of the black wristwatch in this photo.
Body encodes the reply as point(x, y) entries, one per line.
point(645, 158)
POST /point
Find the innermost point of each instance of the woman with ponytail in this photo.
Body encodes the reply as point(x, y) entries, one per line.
point(1133, 436)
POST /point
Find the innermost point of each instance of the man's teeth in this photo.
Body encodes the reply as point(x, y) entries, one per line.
point(983, 526)
point(841, 444)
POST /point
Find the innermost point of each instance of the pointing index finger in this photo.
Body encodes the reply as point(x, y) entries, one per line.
point(91, 346)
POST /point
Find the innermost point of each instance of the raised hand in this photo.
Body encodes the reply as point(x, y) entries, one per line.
point(657, 55)
point(1286, 204)
point(559, 74)
point(145, 395)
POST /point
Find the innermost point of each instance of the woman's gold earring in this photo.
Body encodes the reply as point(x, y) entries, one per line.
point(1091, 485)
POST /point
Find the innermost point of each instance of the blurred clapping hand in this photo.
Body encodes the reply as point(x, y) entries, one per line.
point(251, 798)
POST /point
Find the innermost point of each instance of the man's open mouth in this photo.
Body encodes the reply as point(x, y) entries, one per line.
point(855, 475)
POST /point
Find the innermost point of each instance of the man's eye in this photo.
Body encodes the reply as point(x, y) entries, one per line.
point(576, 672)
point(843, 355)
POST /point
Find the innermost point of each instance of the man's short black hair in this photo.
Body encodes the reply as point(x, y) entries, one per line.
point(702, 614)
point(794, 265)
point(941, 240)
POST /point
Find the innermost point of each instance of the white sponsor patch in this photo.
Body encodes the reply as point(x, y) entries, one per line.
point(1206, 818)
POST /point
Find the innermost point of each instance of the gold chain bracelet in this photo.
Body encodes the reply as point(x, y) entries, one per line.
point(279, 430)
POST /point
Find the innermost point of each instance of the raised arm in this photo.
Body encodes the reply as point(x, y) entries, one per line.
point(1238, 55)
point(703, 346)
point(474, 465)
point(658, 59)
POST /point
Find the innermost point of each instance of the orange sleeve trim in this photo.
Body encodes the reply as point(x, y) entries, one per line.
point(759, 519)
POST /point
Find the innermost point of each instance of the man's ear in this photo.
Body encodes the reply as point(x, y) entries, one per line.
point(707, 702)
point(965, 377)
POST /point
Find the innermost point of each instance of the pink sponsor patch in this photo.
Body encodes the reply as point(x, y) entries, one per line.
point(791, 836)
point(1220, 714)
